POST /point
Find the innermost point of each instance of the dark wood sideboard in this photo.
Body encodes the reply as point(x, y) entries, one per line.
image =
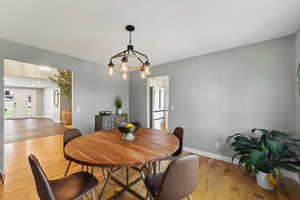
point(108, 122)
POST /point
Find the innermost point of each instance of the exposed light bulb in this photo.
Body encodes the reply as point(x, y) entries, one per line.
point(124, 75)
point(124, 64)
point(143, 75)
point(147, 68)
point(111, 68)
point(111, 71)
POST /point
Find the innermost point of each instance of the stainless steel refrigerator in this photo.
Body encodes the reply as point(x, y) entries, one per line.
point(158, 108)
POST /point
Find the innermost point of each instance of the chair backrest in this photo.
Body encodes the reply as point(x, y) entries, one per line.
point(41, 181)
point(180, 178)
point(71, 134)
point(179, 133)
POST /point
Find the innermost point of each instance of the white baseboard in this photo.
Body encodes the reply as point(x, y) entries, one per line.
point(44, 116)
point(211, 155)
point(288, 174)
point(57, 121)
point(40, 116)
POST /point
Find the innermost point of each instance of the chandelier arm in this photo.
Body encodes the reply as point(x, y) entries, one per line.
point(137, 57)
point(141, 54)
point(118, 55)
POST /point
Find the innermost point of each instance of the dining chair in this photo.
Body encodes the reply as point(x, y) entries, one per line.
point(1, 177)
point(69, 135)
point(178, 132)
point(72, 187)
point(177, 182)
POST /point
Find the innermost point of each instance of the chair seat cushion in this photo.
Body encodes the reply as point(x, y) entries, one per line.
point(73, 186)
point(153, 182)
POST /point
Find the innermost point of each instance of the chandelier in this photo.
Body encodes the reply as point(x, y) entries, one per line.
point(125, 56)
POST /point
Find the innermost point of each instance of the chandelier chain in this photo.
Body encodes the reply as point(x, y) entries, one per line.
point(129, 37)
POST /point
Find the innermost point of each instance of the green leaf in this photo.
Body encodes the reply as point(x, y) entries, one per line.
point(256, 157)
point(293, 145)
point(287, 154)
point(234, 135)
point(245, 159)
point(274, 146)
point(296, 163)
point(264, 149)
point(238, 154)
point(288, 167)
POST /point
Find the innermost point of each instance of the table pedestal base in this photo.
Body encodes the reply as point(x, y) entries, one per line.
point(127, 187)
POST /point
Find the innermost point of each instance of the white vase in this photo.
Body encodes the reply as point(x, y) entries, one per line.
point(119, 111)
point(262, 180)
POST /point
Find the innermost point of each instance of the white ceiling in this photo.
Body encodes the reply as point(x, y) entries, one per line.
point(166, 30)
point(17, 81)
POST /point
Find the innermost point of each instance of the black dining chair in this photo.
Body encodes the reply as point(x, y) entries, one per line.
point(72, 187)
point(178, 181)
point(178, 132)
point(69, 135)
point(1, 177)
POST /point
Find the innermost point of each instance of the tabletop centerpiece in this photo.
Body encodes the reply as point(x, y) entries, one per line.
point(128, 130)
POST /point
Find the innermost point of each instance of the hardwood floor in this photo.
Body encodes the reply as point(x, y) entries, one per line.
point(22, 129)
point(217, 180)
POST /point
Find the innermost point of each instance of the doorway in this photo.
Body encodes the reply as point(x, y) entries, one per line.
point(158, 102)
point(9, 105)
point(34, 103)
point(19, 103)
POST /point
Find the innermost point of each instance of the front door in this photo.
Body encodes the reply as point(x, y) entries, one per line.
point(9, 104)
point(24, 102)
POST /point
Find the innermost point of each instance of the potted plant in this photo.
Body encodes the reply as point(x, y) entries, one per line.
point(118, 104)
point(63, 79)
point(266, 154)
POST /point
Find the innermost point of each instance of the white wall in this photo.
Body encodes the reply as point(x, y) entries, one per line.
point(219, 94)
point(93, 90)
point(50, 110)
point(39, 102)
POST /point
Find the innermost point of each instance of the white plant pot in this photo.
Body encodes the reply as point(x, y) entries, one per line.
point(119, 111)
point(262, 180)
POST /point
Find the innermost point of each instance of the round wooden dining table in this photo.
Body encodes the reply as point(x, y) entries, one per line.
point(107, 149)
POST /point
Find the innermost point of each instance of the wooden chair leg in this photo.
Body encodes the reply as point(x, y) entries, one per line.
point(1, 177)
point(159, 163)
point(68, 167)
point(103, 173)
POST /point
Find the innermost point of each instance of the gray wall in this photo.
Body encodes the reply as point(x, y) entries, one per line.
point(93, 90)
point(222, 93)
point(297, 62)
point(138, 98)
